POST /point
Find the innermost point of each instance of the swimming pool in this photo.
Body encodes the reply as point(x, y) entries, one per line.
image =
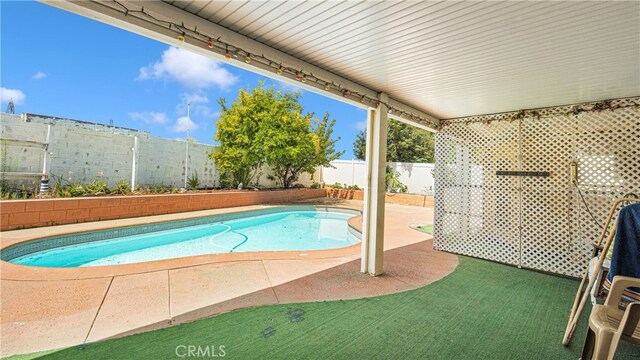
point(276, 229)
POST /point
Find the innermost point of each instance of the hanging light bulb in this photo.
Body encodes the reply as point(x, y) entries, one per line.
point(247, 59)
point(327, 86)
point(298, 76)
point(181, 37)
point(362, 99)
point(345, 93)
point(227, 54)
point(377, 103)
point(210, 44)
point(279, 70)
point(303, 79)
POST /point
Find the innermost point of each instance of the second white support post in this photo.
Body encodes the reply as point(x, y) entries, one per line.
point(134, 163)
point(374, 191)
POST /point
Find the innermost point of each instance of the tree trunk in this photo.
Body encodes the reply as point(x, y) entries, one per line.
point(285, 179)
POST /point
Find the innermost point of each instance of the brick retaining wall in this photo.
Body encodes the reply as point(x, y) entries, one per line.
point(22, 214)
point(401, 199)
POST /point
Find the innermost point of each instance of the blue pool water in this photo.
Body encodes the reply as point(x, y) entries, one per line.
point(279, 231)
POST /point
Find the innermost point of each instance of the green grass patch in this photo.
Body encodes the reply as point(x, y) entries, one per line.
point(426, 229)
point(482, 310)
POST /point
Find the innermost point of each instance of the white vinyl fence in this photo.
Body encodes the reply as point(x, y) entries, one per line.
point(418, 177)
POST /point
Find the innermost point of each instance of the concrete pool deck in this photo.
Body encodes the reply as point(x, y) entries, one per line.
point(45, 308)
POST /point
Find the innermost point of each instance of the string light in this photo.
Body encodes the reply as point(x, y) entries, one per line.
point(536, 114)
point(299, 74)
point(227, 54)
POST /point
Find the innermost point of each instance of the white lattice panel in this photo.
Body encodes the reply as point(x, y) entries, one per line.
point(478, 211)
point(535, 222)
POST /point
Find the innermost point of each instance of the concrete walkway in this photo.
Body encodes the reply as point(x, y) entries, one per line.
point(39, 315)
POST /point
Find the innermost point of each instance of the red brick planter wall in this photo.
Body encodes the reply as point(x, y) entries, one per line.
point(22, 214)
point(401, 199)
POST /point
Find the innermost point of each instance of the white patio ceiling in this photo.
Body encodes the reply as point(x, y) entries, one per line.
point(454, 59)
point(449, 59)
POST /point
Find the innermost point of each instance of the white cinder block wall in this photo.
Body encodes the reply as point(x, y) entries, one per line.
point(81, 151)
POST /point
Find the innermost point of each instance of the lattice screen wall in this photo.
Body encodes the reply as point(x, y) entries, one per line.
point(533, 222)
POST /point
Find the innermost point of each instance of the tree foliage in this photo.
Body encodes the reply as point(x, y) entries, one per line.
point(266, 126)
point(405, 143)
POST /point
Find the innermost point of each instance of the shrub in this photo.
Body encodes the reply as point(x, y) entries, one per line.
point(193, 181)
point(122, 188)
point(96, 187)
point(393, 183)
point(76, 189)
point(157, 189)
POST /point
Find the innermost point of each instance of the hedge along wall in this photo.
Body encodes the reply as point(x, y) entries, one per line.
point(23, 214)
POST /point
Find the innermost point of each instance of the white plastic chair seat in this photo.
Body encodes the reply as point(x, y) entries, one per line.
point(608, 324)
point(608, 318)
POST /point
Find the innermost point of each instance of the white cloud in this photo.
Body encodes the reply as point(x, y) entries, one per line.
point(198, 100)
point(149, 117)
point(184, 123)
point(205, 111)
point(17, 95)
point(197, 97)
point(360, 125)
point(39, 75)
point(189, 69)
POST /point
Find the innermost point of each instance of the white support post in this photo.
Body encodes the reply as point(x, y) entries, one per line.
point(46, 151)
point(374, 191)
point(134, 163)
point(186, 151)
point(186, 163)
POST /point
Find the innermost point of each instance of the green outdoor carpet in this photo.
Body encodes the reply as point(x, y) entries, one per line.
point(483, 310)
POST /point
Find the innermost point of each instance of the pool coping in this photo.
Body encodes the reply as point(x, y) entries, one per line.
point(11, 271)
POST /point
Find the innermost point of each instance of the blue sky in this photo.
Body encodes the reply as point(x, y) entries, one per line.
point(61, 64)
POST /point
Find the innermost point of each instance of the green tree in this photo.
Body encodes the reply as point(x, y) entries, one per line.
point(297, 144)
point(240, 153)
point(266, 126)
point(405, 143)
